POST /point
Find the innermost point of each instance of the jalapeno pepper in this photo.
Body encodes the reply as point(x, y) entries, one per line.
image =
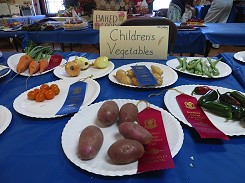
point(218, 108)
point(200, 90)
point(237, 112)
point(227, 99)
point(238, 96)
point(211, 95)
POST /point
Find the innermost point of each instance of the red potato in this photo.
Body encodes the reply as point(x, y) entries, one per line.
point(134, 131)
point(128, 113)
point(125, 151)
point(108, 113)
point(90, 142)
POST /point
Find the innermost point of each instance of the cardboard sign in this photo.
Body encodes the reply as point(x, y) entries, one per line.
point(108, 18)
point(134, 42)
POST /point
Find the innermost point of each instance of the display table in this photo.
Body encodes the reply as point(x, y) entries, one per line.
point(31, 151)
point(224, 34)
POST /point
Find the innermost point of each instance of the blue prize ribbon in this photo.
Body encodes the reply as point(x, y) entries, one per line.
point(74, 98)
point(144, 75)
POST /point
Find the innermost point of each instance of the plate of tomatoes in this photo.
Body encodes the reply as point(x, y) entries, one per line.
point(46, 100)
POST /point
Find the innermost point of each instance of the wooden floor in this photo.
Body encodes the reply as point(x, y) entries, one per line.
point(6, 46)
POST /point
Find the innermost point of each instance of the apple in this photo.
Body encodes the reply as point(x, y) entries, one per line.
point(101, 62)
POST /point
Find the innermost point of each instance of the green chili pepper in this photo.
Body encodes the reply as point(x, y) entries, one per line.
point(218, 108)
point(227, 99)
point(237, 112)
point(211, 95)
point(238, 96)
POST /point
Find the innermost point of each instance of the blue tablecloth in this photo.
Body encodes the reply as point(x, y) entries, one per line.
point(225, 33)
point(12, 34)
point(190, 42)
point(31, 151)
point(238, 68)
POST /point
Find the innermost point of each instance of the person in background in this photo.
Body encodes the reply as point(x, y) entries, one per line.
point(190, 12)
point(219, 11)
point(177, 9)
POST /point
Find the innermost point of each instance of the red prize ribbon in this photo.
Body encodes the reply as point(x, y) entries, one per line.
point(157, 153)
point(197, 118)
point(54, 61)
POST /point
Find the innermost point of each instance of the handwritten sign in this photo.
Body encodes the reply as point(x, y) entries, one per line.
point(134, 42)
point(108, 18)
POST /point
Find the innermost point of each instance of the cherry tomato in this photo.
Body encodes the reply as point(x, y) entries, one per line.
point(56, 90)
point(42, 91)
point(31, 95)
point(49, 94)
point(44, 86)
point(36, 91)
point(40, 97)
point(53, 86)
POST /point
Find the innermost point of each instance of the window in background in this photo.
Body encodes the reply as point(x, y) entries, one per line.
point(159, 4)
point(53, 6)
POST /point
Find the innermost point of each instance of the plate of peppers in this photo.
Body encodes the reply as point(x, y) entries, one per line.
point(224, 107)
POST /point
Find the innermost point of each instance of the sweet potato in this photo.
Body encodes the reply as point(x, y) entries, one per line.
point(90, 142)
point(128, 113)
point(108, 113)
point(125, 151)
point(134, 131)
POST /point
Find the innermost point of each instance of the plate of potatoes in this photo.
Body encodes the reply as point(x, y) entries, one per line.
point(90, 143)
point(125, 76)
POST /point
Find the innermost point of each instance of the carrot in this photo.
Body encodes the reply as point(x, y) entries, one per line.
point(43, 65)
point(34, 67)
point(23, 63)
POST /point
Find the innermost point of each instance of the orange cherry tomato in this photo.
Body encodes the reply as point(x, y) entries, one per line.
point(49, 94)
point(56, 90)
point(42, 91)
point(53, 86)
point(44, 87)
point(31, 95)
point(36, 91)
point(40, 97)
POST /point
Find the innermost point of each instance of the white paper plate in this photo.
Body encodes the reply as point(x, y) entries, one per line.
point(14, 59)
point(240, 56)
point(5, 118)
point(223, 68)
point(169, 75)
point(4, 67)
point(101, 164)
point(91, 71)
point(229, 127)
point(48, 108)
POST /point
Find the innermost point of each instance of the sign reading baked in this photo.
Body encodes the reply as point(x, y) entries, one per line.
point(134, 42)
point(108, 18)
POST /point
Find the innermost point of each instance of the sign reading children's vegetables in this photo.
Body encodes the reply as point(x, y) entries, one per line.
point(134, 42)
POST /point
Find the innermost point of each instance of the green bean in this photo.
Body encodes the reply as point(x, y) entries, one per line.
point(205, 70)
point(180, 63)
point(184, 65)
point(193, 63)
